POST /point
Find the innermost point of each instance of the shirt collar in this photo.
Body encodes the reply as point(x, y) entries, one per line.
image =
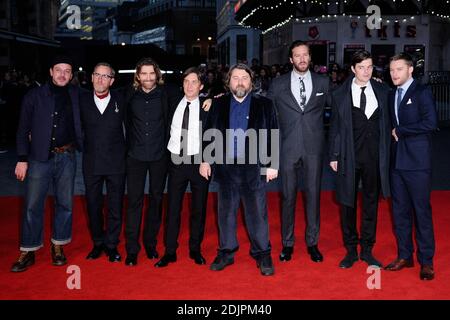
point(367, 85)
point(297, 75)
point(406, 85)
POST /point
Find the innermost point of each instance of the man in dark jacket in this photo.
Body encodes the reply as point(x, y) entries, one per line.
point(49, 132)
point(102, 117)
point(359, 151)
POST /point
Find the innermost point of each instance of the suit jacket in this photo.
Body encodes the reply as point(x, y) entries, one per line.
point(342, 147)
point(262, 115)
point(417, 120)
point(36, 120)
point(302, 132)
point(104, 136)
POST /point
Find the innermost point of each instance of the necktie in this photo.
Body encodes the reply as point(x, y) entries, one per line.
point(184, 129)
point(302, 94)
point(362, 100)
point(399, 100)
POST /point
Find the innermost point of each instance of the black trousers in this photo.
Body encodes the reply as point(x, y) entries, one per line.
point(136, 177)
point(368, 173)
point(179, 177)
point(115, 186)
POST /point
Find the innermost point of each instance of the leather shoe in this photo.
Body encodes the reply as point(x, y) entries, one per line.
point(348, 261)
point(131, 259)
point(426, 272)
point(399, 264)
point(165, 260)
point(152, 253)
point(113, 254)
point(315, 254)
point(197, 257)
point(286, 253)
point(58, 257)
point(370, 259)
point(25, 260)
point(221, 261)
point(265, 265)
point(96, 252)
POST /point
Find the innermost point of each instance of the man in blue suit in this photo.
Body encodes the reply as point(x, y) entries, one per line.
point(413, 115)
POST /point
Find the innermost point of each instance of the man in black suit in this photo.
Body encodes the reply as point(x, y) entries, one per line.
point(360, 138)
point(187, 121)
point(299, 98)
point(102, 116)
point(414, 118)
point(240, 165)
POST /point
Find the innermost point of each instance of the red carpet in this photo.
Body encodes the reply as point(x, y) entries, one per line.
point(298, 279)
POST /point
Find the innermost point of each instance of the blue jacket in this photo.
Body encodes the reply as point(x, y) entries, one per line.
point(35, 125)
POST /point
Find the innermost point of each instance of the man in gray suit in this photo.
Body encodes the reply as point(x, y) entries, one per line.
point(299, 98)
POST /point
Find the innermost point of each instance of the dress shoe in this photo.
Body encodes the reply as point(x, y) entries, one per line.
point(221, 261)
point(349, 259)
point(426, 272)
point(58, 257)
point(152, 253)
point(131, 259)
point(315, 254)
point(399, 264)
point(286, 253)
point(25, 260)
point(265, 265)
point(96, 252)
point(367, 257)
point(113, 255)
point(197, 257)
point(165, 260)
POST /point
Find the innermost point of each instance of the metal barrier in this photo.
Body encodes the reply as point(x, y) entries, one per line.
point(439, 82)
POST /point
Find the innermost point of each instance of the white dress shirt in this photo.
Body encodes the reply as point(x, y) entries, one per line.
point(295, 85)
point(371, 99)
point(193, 146)
point(102, 103)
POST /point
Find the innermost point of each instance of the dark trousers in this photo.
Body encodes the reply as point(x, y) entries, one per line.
point(289, 174)
point(136, 176)
point(368, 174)
point(115, 186)
point(411, 192)
point(179, 177)
point(255, 215)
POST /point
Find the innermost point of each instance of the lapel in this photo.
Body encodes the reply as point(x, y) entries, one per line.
point(314, 81)
point(252, 114)
point(287, 88)
point(224, 113)
point(406, 97)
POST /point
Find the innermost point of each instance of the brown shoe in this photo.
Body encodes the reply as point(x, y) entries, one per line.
point(426, 273)
point(25, 260)
point(399, 264)
point(58, 257)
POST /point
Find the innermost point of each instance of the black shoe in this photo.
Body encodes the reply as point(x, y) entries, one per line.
point(349, 260)
point(113, 254)
point(25, 260)
point(221, 261)
point(165, 260)
point(152, 253)
point(131, 259)
point(370, 259)
point(58, 257)
point(315, 254)
point(286, 253)
point(426, 272)
point(265, 265)
point(96, 252)
point(197, 257)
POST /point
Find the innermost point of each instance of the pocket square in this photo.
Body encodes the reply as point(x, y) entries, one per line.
point(409, 101)
point(319, 94)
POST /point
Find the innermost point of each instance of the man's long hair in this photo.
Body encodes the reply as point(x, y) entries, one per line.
point(146, 62)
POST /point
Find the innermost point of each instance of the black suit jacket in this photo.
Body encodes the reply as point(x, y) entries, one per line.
point(104, 136)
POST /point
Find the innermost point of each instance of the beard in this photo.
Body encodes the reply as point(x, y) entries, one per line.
point(301, 68)
point(240, 92)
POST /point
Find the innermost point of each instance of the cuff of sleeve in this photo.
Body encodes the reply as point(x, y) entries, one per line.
point(23, 158)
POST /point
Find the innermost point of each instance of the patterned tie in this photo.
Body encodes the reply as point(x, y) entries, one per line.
point(184, 129)
point(302, 94)
point(399, 100)
point(362, 100)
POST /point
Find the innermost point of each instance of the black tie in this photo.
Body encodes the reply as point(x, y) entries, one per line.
point(362, 101)
point(184, 129)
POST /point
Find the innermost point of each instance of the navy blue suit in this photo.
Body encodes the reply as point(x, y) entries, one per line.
point(411, 171)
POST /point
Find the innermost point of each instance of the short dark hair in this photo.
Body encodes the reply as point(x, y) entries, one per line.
point(403, 56)
point(193, 70)
point(298, 43)
point(360, 56)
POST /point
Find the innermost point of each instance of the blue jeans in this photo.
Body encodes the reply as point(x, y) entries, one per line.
point(60, 172)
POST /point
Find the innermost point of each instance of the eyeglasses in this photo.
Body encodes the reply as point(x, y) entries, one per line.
point(103, 76)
